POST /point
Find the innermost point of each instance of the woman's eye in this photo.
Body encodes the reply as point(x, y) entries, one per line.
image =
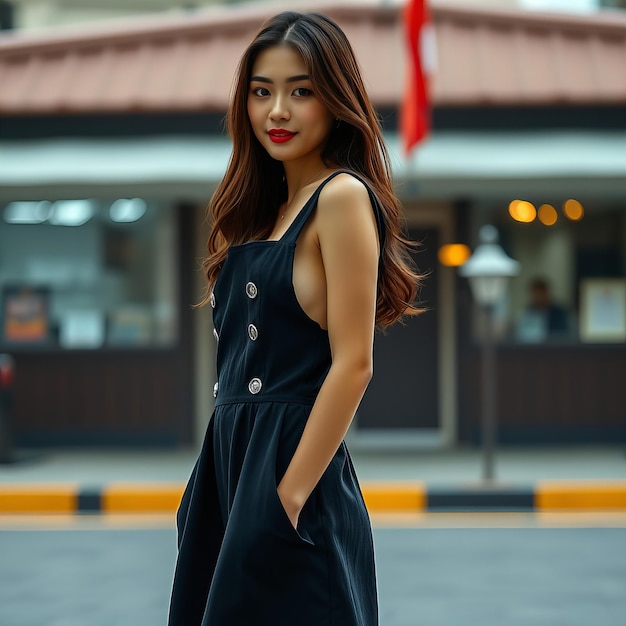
point(302, 91)
point(260, 91)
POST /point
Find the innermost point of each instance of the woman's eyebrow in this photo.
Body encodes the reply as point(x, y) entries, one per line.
point(291, 79)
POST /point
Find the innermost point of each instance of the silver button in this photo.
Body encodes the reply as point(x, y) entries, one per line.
point(254, 386)
point(212, 300)
point(217, 337)
point(253, 332)
point(215, 388)
point(251, 290)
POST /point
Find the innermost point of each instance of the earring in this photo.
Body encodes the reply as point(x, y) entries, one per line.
point(337, 122)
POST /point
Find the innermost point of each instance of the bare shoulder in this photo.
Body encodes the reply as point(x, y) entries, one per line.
point(343, 192)
point(345, 216)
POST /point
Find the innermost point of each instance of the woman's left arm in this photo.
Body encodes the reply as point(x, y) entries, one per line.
point(347, 234)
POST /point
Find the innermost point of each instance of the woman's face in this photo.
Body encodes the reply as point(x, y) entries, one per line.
point(285, 114)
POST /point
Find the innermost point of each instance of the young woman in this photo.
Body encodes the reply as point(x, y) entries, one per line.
point(305, 258)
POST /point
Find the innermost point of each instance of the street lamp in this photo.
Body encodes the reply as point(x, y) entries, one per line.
point(489, 270)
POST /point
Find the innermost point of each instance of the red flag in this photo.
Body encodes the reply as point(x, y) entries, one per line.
point(420, 35)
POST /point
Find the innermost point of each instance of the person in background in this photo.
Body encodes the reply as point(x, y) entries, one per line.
point(543, 318)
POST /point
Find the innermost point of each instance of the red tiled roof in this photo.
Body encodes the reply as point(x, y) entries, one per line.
point(187, 62)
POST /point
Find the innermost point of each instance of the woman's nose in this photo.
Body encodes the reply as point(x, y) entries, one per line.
point(279, 110)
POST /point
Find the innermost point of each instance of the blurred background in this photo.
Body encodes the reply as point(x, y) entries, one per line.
point(112, 141)
point(111, 144)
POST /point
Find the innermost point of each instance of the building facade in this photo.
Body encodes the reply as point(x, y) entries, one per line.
point(38, 14)
point(111, 143)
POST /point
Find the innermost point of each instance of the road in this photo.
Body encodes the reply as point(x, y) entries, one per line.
point(435, 570)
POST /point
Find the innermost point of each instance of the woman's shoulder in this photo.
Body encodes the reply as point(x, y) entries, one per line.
point(344, 191)
point(345, 210)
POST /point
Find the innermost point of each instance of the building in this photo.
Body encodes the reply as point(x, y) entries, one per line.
point(44, 14)
point(111, 143)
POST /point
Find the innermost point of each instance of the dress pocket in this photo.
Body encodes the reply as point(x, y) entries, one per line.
point(283, 520)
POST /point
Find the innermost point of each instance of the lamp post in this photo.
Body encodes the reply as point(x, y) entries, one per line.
point(489, 270)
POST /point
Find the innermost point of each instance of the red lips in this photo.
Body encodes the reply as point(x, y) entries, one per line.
point(280, 135)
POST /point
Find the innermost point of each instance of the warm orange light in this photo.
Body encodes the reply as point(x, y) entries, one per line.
point(548, 215)
point(454, 254)
point(522, 211)
point(513, 209)
point(573, 210)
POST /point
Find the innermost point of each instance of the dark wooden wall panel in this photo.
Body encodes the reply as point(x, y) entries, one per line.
point(84, 395)
point(549, 393)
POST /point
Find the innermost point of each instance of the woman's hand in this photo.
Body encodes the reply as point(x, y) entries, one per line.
point(291, 507)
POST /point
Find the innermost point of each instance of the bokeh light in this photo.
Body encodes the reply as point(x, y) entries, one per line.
point(522, 211)
point(454, 254)
point(548, 215)
point(573, 210)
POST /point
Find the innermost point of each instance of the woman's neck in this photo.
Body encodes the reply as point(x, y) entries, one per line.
point(298, 177)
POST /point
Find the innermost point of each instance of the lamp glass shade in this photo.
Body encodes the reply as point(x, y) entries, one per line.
point(489, 268)
point(488, 290)
point(489, 260)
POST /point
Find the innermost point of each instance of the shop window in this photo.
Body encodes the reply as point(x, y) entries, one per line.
point(90, 273)
point(572, 285)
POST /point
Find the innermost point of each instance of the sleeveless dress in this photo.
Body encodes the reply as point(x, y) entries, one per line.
point(240, 560)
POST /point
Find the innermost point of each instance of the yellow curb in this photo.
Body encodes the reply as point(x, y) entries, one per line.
point(596, 495)
point(386, 497)
point(141, 498)
point(38, 498)
point(394, 496)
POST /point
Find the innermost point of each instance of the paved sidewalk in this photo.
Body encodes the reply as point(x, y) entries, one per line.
point(462, 466)
point(527, 478)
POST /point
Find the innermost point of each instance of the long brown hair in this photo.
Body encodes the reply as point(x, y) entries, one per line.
point(246, 202)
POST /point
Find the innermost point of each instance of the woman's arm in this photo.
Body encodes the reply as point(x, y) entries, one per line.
point(346, 230)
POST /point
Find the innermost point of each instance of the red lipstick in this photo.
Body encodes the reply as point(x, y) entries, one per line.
point(280, 135)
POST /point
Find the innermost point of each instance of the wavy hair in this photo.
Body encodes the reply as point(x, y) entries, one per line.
point(246, 202)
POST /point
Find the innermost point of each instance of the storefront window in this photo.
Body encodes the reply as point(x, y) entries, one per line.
point(572, 285)
point(88, 273)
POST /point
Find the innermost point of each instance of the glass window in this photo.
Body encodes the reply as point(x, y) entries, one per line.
point(92, 273)
point(571, 257)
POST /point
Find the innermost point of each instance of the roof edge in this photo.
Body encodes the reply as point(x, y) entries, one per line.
point(235, 17)
point(248, 17)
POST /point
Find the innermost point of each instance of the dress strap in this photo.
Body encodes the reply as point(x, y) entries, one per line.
point(294, 230)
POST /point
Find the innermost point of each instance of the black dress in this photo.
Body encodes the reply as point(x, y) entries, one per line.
point(241, 562)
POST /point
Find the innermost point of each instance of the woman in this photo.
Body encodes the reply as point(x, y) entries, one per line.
point(305, 257)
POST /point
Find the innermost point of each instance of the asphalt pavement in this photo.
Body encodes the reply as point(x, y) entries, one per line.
point(94, 573)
